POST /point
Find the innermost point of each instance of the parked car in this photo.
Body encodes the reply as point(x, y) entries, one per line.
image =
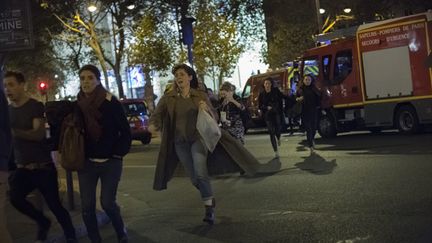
point(138, 117)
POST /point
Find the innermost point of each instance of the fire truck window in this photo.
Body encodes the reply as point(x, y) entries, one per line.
point(326, 61)
point(343, 66)
point(246, 91)
point(311, 67)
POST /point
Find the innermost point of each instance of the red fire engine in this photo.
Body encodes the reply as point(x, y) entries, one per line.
point(374, 76)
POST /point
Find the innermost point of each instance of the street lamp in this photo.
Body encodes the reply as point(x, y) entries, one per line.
point(131, 6)
point(347, 10)
point(322, 11)
point(92, 8)
point(318, 15)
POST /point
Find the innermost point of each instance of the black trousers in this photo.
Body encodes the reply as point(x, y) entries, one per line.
point(273, 121)
point(310, 121)
point(24, 181)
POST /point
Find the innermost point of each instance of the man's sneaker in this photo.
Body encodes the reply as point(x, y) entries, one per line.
point(276, 154)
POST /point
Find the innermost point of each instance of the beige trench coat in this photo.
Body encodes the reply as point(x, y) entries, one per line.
point(228, 157)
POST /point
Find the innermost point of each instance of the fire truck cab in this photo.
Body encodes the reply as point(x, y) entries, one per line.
point(374, 76)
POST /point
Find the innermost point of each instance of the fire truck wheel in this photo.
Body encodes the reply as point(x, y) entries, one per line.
point(327, 126)
point(406, 120)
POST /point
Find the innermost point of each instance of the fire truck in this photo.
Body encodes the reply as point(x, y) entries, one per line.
point(374, 76)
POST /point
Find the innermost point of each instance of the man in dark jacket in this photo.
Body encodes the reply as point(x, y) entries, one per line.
point(5, 152)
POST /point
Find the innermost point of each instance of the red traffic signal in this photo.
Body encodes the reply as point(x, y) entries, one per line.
point(43, 86)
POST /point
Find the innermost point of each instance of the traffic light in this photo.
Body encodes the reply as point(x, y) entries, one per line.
point(43, 87)
point(187, 30)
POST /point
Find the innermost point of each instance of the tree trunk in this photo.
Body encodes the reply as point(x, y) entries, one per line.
point(220, 78)
point(119, 81)
point(119, 52)
point(96, 47)
point(148, 91)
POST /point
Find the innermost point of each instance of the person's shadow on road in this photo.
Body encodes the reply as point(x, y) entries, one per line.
point(316, 164)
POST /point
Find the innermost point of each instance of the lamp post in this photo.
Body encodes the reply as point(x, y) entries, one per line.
point(318, 13)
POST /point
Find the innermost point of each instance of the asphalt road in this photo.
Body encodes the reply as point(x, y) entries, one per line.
point(360, 187)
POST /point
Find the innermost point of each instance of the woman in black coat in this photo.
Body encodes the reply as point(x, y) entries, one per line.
point(270, 103)
point(310, 97)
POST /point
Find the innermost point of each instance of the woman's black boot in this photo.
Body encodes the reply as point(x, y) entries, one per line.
point(209, 216)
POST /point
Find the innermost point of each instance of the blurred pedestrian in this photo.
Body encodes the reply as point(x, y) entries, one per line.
point(290, 111)
point(230, 112)
point(108, 140)
point(213, 98)
point(270, 103)
point(5, 154)
point(35, 169)
point(176, 117)
point(310, 97)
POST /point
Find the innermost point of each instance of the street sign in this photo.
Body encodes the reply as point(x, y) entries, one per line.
point(16, 31)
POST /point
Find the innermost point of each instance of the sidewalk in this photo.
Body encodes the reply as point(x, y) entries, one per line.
point(23, 229)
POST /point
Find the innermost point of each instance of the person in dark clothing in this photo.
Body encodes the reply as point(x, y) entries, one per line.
point(290, 111)
point(270, 103)
point(5, 153)
point(213, 98)
point(310, 97)
point(108, 139)
point(35, 169)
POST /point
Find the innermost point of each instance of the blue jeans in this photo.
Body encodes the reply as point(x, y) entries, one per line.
point(109, 173)
point(193, 156)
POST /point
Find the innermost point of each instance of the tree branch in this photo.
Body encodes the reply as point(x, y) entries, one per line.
point(67, 25)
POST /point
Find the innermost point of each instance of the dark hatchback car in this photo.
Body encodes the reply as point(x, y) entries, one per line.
point(138, 117)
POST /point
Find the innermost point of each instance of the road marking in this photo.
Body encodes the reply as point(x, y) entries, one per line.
point(356, 239)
